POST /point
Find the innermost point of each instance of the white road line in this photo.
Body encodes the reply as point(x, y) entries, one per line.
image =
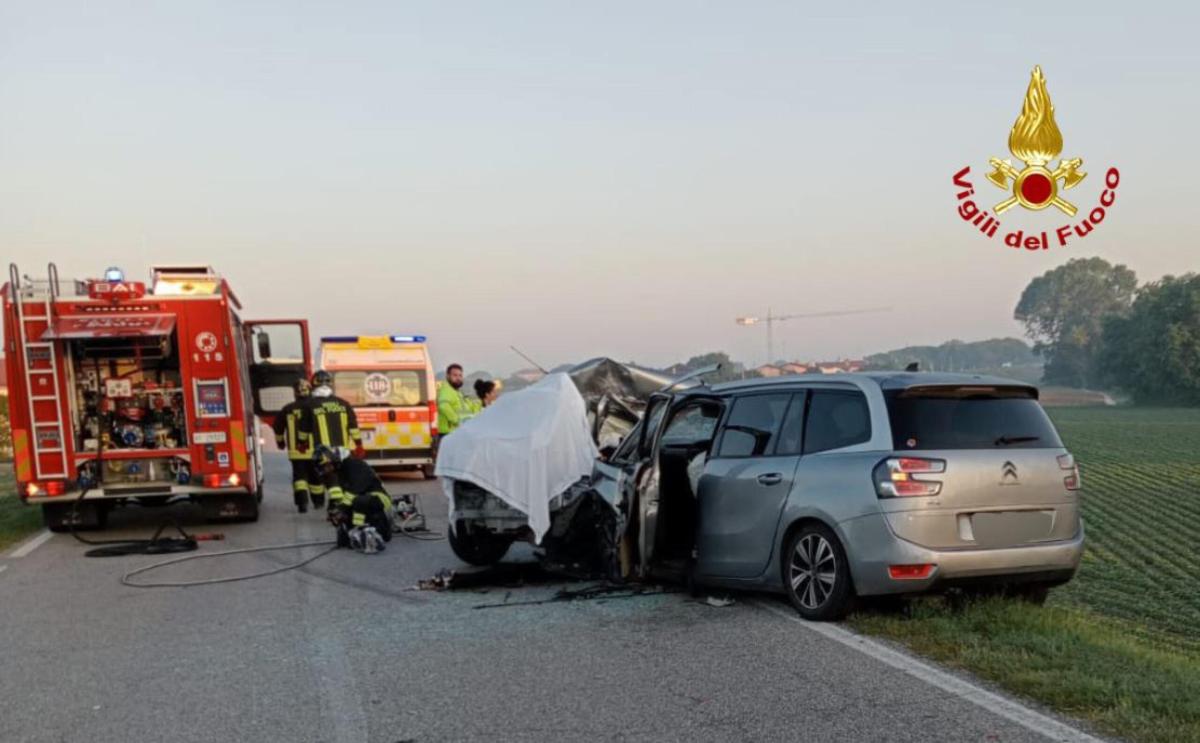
point(1006, 708)
point(31, 544)
point(3, 568)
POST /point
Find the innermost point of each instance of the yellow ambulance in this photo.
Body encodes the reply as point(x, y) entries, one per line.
point(389, 381)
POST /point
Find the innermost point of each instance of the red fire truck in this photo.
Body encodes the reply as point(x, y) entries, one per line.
point(123, 391)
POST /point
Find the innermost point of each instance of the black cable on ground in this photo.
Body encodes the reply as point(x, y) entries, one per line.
point(125, 579)
point(155, 545)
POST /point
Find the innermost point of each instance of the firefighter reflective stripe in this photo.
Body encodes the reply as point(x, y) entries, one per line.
point(322, 428)
point(339, 496)
point(300, 486)
point(316, 488)
point(358, 519)
point(237, 436)
point(334, 423)
point(21, 459)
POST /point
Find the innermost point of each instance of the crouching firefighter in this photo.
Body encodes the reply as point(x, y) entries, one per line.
point(292, 435)
point(359, 507)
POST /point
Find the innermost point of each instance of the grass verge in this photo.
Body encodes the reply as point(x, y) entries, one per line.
point(1091, 667)
point(17, 520)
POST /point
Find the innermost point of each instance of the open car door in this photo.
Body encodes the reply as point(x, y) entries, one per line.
point(280, 356)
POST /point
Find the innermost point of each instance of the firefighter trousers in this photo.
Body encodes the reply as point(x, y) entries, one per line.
point(306, 484)
point(362, 510)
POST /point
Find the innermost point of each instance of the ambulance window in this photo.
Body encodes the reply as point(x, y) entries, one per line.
point(384, 388)
point(278, 344)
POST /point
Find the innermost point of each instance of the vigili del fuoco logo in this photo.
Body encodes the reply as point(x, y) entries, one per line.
point(1036, 141)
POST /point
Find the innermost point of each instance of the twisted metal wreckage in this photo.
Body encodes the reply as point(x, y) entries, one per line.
point(533, 467)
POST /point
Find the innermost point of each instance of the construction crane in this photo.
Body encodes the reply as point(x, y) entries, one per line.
point(771, 319)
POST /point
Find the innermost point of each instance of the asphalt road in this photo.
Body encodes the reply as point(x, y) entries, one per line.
point(344, 650)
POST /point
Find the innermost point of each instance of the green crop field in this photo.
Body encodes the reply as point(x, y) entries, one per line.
point(1141, 508)
point(1119, 645)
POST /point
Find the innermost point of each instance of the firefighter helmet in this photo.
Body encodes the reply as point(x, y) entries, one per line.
point(322, 379)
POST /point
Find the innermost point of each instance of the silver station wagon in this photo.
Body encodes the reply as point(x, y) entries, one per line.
point(830, 488)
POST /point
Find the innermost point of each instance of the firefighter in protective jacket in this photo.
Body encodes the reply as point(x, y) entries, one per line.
point(359, 507)
point(332, 421)
point(291, 434)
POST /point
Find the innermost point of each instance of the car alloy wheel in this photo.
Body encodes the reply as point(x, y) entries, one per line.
point(813, 571)
point(817, 574)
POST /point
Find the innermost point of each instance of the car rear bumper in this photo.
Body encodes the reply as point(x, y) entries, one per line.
point(872, 548)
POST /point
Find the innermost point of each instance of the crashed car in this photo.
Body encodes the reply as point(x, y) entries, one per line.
point(521, 470)
point(828, 489)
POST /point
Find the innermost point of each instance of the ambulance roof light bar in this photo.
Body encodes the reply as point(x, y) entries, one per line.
point(355, 338)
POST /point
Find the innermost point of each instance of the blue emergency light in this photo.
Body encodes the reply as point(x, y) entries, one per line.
point(112, 273)
point(408, 339)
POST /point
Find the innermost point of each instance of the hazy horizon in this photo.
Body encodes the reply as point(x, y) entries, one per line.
point(621, 179)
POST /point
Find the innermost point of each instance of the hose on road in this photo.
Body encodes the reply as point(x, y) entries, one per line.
point(127, 578)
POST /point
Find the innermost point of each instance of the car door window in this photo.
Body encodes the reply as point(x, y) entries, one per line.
point(692, 425)
point(753, 425)
point(836, 418)
point(792, 433)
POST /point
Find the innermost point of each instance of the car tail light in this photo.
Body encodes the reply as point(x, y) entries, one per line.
point(910, 572)
point(32, 489)
point(902, 477)
point(235, 479)
point(433, 418)
point(56, 487)
point(1067, 462)
point(212, 481)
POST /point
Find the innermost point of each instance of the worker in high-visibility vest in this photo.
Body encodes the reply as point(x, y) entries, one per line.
point(291, 434)
point(452, 405)
point(360, 509)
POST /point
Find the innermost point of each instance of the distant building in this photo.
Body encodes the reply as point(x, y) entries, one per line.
point(794, 367)
point(768, 370)
point(839, 367)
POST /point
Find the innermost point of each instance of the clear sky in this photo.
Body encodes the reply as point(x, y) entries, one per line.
point(580, 179)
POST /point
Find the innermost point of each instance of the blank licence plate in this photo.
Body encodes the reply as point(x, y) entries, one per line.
point(1010, 528)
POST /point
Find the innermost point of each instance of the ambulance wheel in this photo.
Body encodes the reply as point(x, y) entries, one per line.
point(479, 548)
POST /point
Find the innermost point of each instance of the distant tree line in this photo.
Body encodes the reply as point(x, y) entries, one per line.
point(1097, 328)
point(958, 356)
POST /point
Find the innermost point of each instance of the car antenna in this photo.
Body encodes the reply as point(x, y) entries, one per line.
point(536, 365)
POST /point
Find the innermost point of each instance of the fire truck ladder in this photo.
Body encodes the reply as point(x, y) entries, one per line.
point(41, 385)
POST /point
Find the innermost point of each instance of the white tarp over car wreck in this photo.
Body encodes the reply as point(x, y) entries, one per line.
point(526, 448)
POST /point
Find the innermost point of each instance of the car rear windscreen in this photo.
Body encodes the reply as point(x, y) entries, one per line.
point(949, 417)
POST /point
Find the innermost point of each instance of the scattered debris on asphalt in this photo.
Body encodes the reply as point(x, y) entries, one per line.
point(719, 602)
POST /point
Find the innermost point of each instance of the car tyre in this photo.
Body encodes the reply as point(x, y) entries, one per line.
point(816, 574)
point(477, 548)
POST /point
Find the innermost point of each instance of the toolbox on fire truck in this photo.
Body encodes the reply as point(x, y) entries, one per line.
point(121, 391)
